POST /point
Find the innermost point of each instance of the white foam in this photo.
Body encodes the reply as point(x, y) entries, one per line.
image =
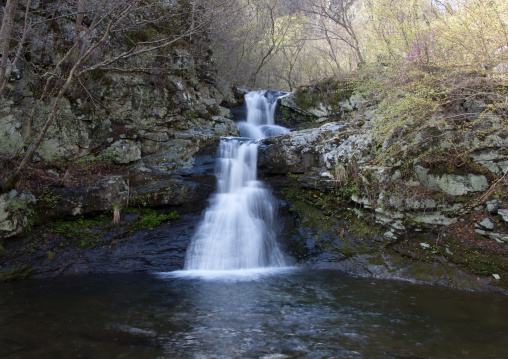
point(239, 275)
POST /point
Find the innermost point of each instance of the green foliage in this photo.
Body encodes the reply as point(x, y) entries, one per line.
point(47, 199)
point(149, 218)
point(78, 229)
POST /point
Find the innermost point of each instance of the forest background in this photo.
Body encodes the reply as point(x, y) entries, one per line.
point(430, 50)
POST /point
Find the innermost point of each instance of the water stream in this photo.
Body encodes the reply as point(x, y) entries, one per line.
point(303, 314)
point(237, 232)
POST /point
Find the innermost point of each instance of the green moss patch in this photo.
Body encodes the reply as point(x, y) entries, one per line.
point(149, 218)
point(80, 229)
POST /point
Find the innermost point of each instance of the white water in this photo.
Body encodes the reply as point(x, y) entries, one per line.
point(238, 231)
point(260, 115)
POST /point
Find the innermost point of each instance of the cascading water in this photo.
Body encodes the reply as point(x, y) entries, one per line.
point(238, 229)
point(260, 115)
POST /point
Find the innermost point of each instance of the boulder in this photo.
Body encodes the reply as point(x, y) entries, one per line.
point(15, 211)
point(492, 206)
point(454, 185)
point(77, 201)
point(124, 151)
point(504, 214)
point(486, 224)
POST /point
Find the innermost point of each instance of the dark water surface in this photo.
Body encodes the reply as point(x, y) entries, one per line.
point(302, 314)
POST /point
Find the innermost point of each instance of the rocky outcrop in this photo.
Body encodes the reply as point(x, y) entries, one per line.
point(340, 155)
point(152, 120)
point(378, 218)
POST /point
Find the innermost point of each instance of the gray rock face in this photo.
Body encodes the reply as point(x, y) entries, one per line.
point(504, 214)
point(492, 206)
point(15, 212)
point(327, 157)
point(485, 224)
point(124, 151)
point(170, 118)
point(453, 185)
point(101, 197)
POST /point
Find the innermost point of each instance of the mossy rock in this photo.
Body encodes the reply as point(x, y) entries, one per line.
point(329, 92)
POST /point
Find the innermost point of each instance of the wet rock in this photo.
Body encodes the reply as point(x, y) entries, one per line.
point(117, 251)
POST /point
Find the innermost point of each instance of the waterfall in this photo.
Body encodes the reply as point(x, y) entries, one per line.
point(261, 107)
point(237, 231)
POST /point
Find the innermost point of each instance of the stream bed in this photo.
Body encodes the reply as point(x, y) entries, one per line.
point(298, 313)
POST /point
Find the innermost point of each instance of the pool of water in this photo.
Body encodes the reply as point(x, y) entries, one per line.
point(292, 314)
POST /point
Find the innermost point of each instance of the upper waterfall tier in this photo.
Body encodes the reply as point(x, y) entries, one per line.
point(261, 107)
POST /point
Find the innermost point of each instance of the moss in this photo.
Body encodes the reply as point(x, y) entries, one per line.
point(149, 218)
point(421, 271)
point(350, 249)
point(471, 260)
point(362, 228)
point(375, 261)
point(80, 228)
point(15, 274)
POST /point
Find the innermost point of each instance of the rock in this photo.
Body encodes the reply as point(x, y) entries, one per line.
point(124, 151)
point(492, 206)
point(15, 212)
point(485, 224)
point(453, 185)
point(493, 160)
point(390, 235)
point(480, 232)
point(100, 197)
point(504, 214)
point(432, 219)
point(159, 250)
point(499, 237)
point(10, 135)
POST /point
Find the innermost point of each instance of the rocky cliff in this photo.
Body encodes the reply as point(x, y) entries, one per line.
point(141, 136)
point(411, 216)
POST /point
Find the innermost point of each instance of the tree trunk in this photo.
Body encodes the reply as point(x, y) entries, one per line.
point(5, 37)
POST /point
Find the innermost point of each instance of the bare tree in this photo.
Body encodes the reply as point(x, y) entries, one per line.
point(335, 20)
point(5, 38)
point(92, 50)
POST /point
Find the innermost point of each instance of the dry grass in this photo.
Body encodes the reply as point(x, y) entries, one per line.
point(59, 174)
